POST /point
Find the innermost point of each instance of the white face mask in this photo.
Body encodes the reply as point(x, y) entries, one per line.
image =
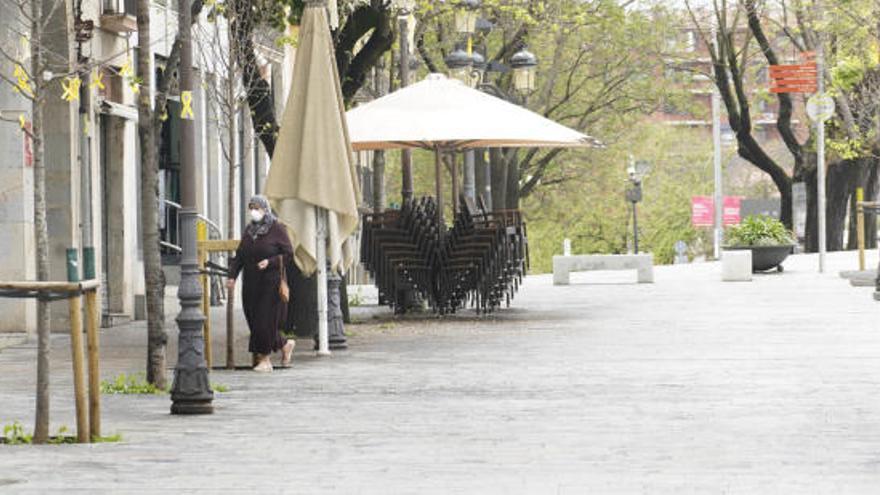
point(257, 215)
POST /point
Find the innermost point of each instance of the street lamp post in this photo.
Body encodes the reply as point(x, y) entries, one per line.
point(191, 392)
point(637, 172)
point(470, 67)
point(406, 8)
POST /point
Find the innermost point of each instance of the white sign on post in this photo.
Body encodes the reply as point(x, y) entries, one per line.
point(820, 108)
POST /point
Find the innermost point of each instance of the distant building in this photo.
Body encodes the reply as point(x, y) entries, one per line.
point(690, 65)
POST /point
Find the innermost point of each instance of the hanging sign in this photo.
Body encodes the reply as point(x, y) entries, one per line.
point(796, 78)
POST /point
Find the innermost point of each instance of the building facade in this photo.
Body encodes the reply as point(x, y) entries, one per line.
point(93, 157)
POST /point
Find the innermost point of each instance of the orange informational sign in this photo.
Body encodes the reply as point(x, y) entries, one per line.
point(795, 78)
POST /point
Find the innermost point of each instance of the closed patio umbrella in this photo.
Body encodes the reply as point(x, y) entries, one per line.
point(312, 182)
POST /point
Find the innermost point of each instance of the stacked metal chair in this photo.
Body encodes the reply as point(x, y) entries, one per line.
point(479, 261)
point(397, 248)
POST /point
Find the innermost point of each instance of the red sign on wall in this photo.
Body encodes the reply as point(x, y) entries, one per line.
point(730, 214)
point(703, 211)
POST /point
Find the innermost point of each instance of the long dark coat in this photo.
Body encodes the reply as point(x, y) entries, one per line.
point(264, 309)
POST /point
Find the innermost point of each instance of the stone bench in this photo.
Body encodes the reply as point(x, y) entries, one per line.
point(564, 265)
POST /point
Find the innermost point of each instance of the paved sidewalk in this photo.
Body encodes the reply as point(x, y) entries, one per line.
point(688, 385)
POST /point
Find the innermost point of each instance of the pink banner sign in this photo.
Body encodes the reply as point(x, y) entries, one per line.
point(702, 211)
point(731, 210)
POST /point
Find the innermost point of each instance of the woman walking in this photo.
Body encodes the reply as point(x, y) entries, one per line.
point(262, 255)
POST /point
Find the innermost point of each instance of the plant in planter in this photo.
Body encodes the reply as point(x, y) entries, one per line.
point(767, 238)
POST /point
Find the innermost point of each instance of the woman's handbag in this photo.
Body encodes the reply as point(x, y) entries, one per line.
point(283, 288)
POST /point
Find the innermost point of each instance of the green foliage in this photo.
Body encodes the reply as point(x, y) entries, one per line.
point(355, 299)
point(14, 434)
point(848, 72)
point(758, 230)
point(137, 384)
point(115, 438)
point(130, 384)
point(591, 209)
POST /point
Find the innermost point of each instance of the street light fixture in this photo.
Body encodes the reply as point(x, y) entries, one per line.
point(405, 6)
point(466, 15)
point(524, 65)
point(484, 27)
point(459, 64)
point(637, 171)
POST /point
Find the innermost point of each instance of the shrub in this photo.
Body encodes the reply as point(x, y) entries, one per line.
point(759, 230)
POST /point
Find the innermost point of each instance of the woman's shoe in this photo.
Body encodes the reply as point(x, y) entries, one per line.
point(265, 365)
point(287, 353)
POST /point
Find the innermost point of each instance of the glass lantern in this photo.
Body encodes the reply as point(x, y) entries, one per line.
point(459, 64)
point(466, 15)
point(524, 66)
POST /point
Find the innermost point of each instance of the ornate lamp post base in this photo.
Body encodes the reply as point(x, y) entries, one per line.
point(335, 321)
point(191, 392)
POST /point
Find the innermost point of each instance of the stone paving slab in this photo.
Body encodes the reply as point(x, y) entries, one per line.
point(689, 385)
point(12, 339)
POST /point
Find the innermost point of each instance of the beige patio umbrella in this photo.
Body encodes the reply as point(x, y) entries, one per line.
point(444, 115)
point(439, 112)
point(312, 183)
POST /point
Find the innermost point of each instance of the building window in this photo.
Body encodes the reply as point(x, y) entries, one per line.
point(128, 7)
point(690, 42)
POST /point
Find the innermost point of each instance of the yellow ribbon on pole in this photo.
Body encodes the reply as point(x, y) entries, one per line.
point(21, 121)
point(71, 88)
point(125, 70)
point(23, 82)
point(97, 79)
point(186, 98)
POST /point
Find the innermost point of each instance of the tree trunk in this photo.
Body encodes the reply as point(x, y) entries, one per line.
point(378, 181)
point(483, 177)
point(154, 277)
point(375, 19)
point(749, 149)
point(866, 171)
point(842, 180)
point(499, 179)
point(513, 177)
point(852, 224)
point(41, 426)
point(871, 189)
point(230, 107)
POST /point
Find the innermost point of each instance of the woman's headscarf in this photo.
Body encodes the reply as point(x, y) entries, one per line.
point(257, 229)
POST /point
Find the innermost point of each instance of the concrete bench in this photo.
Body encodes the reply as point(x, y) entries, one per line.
point(564, 265)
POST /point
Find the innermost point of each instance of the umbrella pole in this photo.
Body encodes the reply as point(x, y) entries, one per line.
point(321, 259)
point(438, 177)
